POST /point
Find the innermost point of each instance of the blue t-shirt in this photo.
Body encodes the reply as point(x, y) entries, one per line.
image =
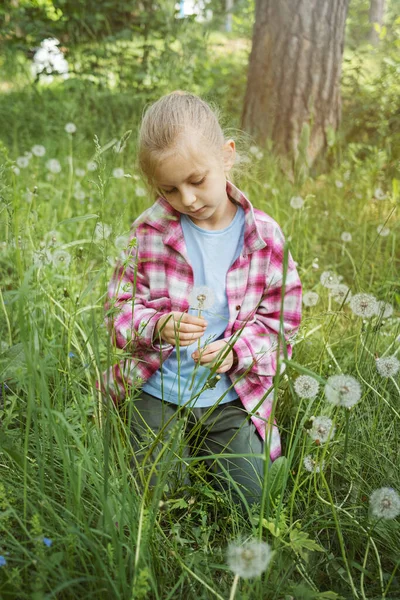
point(211, 254)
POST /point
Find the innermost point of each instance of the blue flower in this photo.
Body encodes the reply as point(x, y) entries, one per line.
point(71, 355)
point(47, 541)
point(3, 561)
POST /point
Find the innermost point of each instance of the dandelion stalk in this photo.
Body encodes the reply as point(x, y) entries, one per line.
point(346, 436)
point(234, 586)
point(7, 319)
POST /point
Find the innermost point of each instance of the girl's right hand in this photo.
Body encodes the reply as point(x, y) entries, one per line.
point(179, 326)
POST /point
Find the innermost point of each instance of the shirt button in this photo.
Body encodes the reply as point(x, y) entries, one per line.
point(238, 307)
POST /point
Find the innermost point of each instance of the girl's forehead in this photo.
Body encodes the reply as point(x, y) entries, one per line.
point(181, 163)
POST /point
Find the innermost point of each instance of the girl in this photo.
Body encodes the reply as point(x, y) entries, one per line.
point(204, 305)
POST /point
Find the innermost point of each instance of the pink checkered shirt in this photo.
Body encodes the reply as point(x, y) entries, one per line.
point(155, 277)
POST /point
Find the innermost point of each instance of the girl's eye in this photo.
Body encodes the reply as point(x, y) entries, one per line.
point(166, 192)
point(199, 182)
point(169, 191)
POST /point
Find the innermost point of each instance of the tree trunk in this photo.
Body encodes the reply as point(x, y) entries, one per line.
point(294, 74)
point(376, 15)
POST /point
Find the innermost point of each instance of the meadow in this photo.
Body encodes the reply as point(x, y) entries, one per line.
point(74, 521)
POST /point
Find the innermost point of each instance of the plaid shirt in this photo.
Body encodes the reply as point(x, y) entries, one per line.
point(155, 278)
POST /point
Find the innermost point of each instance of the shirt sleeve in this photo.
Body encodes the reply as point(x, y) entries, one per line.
point(268, 331)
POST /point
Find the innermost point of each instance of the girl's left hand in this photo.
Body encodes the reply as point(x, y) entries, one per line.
point(210, 353)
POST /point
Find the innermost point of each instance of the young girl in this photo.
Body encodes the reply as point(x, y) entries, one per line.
point(203, 301)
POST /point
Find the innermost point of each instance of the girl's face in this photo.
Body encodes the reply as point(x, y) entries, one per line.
point(194, 183)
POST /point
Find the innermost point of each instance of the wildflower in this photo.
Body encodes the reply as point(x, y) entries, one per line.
point(53, 165)
point(338, 183)
point(41, 258)
point(343, 390)
point(71, 355)
point(364, 305)
point(311, 465)
point(385, 503)
point(22, 162)
point(250, 559)
point(70, 128)
point(80, 172)
point(140, 192)
point(306, 386)
point(102, 231)
point(15, 170)
point(91, 165)
point(201, 297)
point(118, 173)
point(379, 194)
point(329, 279)
point(296, 202)
point(388, 366)
point(322, 429)
point(383, 231)
point(310, 298)
point(384, 309)
point(79, 194)
point(3, 561)
point(38, 150)
point(61, 259)
point(47, 541)
point(315, 264)
point(254, 150)
point(340, 293)
point(346, 236)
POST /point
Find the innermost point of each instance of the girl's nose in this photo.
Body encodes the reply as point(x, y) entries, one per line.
point(188, 198)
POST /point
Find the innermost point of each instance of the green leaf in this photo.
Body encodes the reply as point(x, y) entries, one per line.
point(78, 219)
point(302, 544)
point(277, 476)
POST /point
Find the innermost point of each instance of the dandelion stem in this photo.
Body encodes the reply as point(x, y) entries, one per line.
point(7, 319)
point(346, 436)
point(234, 586)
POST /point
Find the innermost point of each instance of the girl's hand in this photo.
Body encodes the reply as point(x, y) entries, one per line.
point(209, 354)
point(179, 326)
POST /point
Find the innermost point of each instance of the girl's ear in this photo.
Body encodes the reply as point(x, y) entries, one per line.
point(229, 154)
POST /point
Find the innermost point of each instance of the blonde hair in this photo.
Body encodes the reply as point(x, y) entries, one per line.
point(166, 121)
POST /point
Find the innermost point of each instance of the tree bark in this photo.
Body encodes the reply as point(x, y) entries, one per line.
point(294, 74)
point(376, 15)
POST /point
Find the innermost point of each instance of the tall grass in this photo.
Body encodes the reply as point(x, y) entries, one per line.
point(74, 519)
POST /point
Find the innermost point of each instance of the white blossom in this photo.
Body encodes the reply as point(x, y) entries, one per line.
point(38, 150)
point(310, 298)
point(329, 279)
point(15, 170)
point(384, 309)
point(306, 386)
point(102, 231)
point(201, 297)
point(41, 258)
point(250, 559)
point(70, 128)
point(80, 172)
point(311, 465)
point(296, 202)
point(22, 162)
point(340, 293)
point(364, 305)
point(388, 366)
point(379, 194)
point(383, 231)
point(343, 390)
point(61, 259)
point(53, 165)
point(338, 183)
point(385, 503)
point(91, 165)
point(118, 173)
point(79, 194)
point(121, 242)
point(140, 191)
point(346, 236)
point(322, 429)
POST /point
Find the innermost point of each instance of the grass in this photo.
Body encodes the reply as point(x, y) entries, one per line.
point(65, 455)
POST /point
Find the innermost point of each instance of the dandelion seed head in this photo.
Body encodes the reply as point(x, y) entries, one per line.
point(346, 236)
point(61, 259)
point(338, 183)
point(388, 366)
point(296, 202)
point(53, 165)
point(343, 390)
point(322, 429)
point(383, 231)
point(385, 503)
point(102, 231)
point(201, 297)
point(38, 150)
point(140, 191)
point(254, 150)
point(384, 309)
point(340, 293)
point(379, 194)
point(15, 170)
point(329, 279)
point(91, 165)
point(364, 305)
point(310, 298)
point(22, 162)
point(121, 242)
point(118, 173)
point(80, 172)
point(311, 465)
point(70, 128)
point(306, 386)
point(250, 559)
point(79, 194)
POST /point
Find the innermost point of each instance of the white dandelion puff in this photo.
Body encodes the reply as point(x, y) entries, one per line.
point(379, 194)
point(79, 194)
point(41, 258)
point(388, 366)
point(140, 191)
point(338, 183)
point(118, 173)
point(61, 259)
point(322, 429)
point(384, 309)
point(22, 162)
point(343, 390)
point(250, 559)
point(340, 293)
point(254, 150)
point(383, 231)
point(201, 297)
point(306, 386)
point(102, 231)
point(310, 298)
point(385, 503)
point(346, 236)
point(311, 465)
point(53, 165)
point(70, 128)
point(91, 165)
point(15, 170)
point(121, 242)
point(329, 279)
point(38, 150)
point(296, 202)
point(80, 172)
point(364, 305)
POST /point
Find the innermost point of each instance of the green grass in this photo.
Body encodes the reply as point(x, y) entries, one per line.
point(64, 454)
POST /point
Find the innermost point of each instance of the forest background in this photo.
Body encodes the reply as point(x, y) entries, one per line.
point(73, 521)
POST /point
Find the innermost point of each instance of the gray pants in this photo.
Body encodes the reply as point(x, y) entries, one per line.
point(165, 435)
